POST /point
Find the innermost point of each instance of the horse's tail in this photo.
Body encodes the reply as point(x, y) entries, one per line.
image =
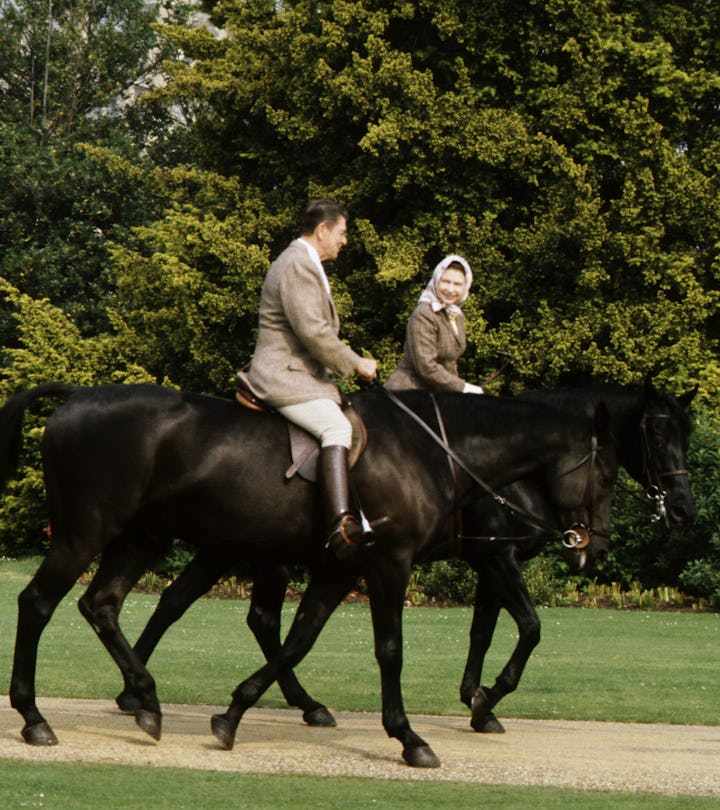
point(12, 416)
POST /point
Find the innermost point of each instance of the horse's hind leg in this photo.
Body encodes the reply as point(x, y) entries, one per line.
point(120, 567)
point(322, 595)
point(264, 616)
point(511, 588)
point(36, 603)
point(269, 588)
point(195, 580)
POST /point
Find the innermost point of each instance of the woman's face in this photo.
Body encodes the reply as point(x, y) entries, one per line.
point(451, 286)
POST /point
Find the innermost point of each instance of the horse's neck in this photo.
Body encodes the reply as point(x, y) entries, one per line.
point(625, 406)
point(519, 450)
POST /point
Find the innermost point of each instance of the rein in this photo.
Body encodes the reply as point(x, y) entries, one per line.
point(576, 537)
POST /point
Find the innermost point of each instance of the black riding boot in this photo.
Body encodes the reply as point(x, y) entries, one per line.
point(345, 529)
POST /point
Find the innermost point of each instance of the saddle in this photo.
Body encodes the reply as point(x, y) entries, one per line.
point(304, 448)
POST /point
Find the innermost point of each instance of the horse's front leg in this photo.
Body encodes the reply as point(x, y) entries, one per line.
point(264, 618)
point(323, 594)
point(195, 580)
point(485, 614)
point(511, 589)
point(36, 603)
point(387, 583)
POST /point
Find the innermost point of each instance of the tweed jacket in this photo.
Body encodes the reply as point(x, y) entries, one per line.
point(298, 349)
point(430, 353)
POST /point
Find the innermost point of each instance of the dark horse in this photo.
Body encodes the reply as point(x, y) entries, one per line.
point(127, 468)
point(651, 430)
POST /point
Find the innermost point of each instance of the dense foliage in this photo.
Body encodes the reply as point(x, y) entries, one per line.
point(566, 148)
point(153, 161)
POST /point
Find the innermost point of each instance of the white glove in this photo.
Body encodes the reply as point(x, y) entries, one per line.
point(472, 389)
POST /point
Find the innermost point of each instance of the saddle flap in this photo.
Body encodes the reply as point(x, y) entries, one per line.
point(305, 449)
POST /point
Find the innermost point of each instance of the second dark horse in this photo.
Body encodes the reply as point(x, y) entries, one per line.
point(652, 431)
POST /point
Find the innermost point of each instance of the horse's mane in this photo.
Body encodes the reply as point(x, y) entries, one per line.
point(487, 413)
point(604, 391)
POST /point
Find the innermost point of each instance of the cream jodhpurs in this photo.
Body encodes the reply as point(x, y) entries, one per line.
point(323, 419)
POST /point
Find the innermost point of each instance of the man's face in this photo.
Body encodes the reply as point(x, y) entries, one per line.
point(331, 238)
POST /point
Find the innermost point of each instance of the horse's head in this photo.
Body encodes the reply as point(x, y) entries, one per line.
point(661, 463)
point(583, 494)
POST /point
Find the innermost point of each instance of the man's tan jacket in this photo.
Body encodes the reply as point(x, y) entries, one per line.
point(298, 350)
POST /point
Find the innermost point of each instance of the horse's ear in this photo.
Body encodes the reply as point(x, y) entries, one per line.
point(687, 398)
point(601, 420)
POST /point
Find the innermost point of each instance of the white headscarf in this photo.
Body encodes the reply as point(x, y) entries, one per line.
point(430, 295)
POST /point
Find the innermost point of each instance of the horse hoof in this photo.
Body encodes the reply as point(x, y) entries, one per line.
point(149, 722)
point(319, 717)
point(487, 725)
point(39, 734)
point(128, 702)
point(223, 731)
point(480, 707)
point(421, 757)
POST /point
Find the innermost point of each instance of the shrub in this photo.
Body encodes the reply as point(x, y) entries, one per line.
point(702, 578)
point(446, 581)
point(541, 576)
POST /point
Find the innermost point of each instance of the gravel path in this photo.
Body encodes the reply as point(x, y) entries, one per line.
point(604, 756)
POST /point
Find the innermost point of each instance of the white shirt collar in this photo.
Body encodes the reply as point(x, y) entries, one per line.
point(315, 257)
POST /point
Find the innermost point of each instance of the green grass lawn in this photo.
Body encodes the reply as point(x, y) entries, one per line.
point(591, 664)
point(98, 787)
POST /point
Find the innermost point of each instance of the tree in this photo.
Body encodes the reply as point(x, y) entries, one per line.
point(71, 74)
point(189, 286)
point(563, 147)
point(67, 65)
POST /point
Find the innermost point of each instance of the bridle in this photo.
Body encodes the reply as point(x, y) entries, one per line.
point(655, 490)
point(576, 537)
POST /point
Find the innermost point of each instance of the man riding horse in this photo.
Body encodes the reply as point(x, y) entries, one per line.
point(297, 351)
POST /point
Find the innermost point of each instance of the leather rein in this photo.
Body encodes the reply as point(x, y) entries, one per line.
point(578, 536)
